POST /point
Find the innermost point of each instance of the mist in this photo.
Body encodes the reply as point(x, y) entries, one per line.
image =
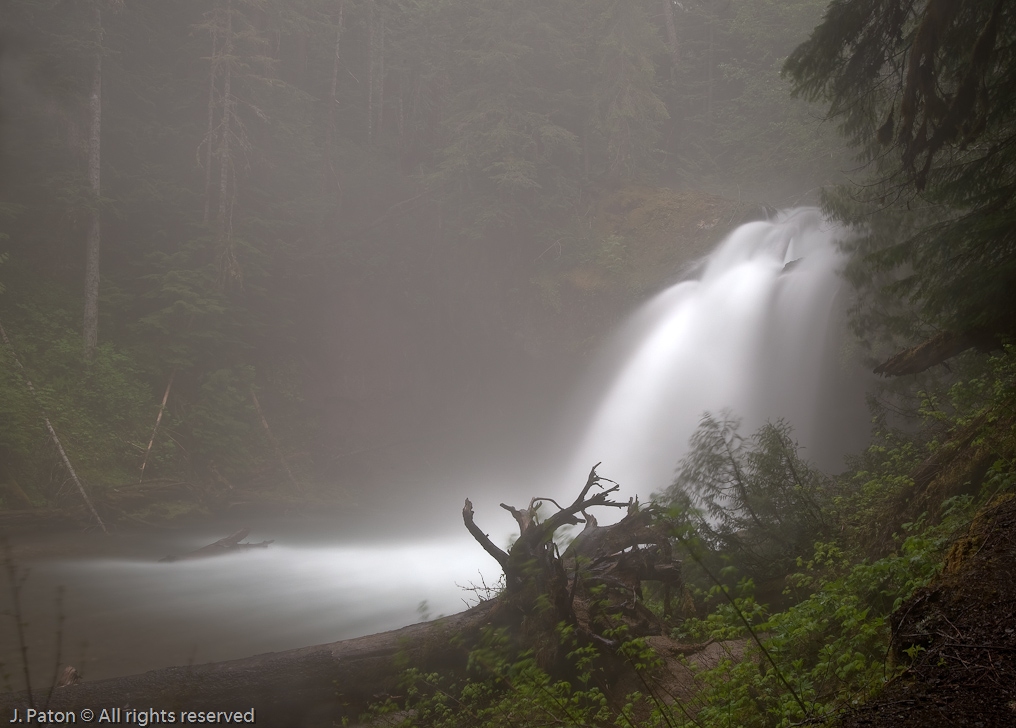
point(360, 262)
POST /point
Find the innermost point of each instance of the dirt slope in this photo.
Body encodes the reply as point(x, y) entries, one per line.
point(961, 631)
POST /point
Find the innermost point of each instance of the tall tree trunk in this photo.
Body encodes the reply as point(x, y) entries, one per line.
point(380, 74)
point(222, 221)
point(210, 132)
point(402, 119)
point(709, 103)
point(229, 266)
point(94, 237)
point(370, 72)
point(333, 100)
point(672, 42)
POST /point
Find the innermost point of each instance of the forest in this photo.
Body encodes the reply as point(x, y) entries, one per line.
point(315, 258)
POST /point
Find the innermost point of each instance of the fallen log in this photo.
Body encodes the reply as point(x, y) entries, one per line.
point(937, 350)
point(227, 545)
point(308, 687)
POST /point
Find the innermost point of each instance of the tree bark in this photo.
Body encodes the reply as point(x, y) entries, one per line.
point(94, 236)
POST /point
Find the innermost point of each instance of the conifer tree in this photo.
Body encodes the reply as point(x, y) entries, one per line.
point(757, 499)
point(924, 92)
point(94, 156)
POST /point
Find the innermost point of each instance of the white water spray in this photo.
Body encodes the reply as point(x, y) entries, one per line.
point(758, 332)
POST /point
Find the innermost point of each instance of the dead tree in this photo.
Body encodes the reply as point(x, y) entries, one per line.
point(596, 585)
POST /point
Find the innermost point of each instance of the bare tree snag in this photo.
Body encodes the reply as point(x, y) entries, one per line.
point(596, 586)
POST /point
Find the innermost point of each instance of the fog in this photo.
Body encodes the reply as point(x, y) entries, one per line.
point(358, 265)
point(399, 554)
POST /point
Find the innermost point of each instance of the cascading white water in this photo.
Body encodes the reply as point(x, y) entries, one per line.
point(758, 332)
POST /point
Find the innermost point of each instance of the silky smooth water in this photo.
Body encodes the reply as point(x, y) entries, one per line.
point(758, 331)
point(128, 613)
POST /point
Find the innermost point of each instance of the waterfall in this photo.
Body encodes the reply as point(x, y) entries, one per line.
point(757, 331)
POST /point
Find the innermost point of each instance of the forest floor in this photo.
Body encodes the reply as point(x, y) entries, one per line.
point(960, 631)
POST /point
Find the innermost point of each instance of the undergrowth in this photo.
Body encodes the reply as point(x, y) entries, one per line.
point(822, 646)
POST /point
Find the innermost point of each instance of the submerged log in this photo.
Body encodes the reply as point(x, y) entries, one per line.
point(229, 544)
